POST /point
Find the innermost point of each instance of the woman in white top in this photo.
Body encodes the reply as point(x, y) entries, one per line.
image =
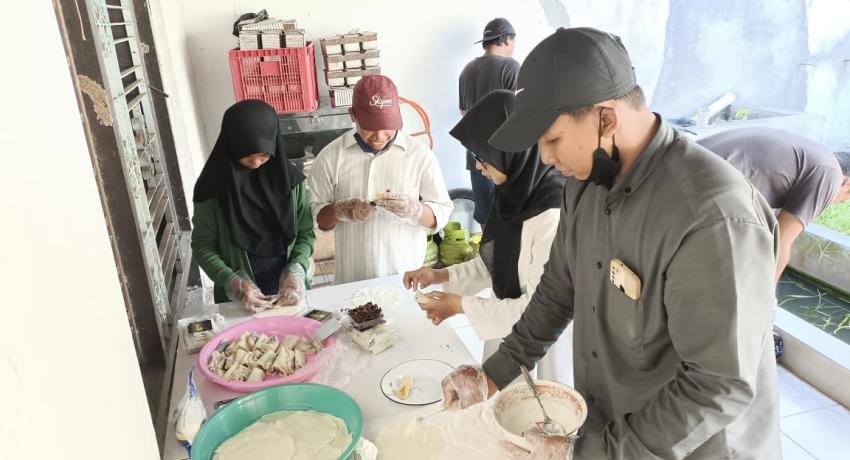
point(515, 245)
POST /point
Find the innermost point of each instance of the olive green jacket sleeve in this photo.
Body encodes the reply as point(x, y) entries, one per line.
point(301, 250)
point(221, 259)
point(212, 256)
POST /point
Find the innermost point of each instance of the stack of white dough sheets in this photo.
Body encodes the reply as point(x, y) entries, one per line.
point(288, 435)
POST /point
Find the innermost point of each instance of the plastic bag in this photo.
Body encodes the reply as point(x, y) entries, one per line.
point(340, 362)
point(365, 450)
point(375, 339)
point(196, 331)
point(191, 414)
point(249, 18)
point(374, 334)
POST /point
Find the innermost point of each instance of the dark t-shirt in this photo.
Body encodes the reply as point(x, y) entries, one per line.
point(795, 174)
point(482, 75)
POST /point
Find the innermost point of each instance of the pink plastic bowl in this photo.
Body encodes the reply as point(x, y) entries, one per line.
point(274, 325)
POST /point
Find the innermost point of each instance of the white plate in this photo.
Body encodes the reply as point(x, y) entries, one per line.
point(427, 374)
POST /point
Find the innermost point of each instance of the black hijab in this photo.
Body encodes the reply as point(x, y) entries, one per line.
point(256, 203)
point(531, 188)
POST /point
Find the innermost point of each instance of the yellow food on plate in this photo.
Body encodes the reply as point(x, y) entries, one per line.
point(403, 391)
point(379, 195)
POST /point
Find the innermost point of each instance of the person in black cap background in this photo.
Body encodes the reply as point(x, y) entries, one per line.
point(495, 69)
point(665, 259)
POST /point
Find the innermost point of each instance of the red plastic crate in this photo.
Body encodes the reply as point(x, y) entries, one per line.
point(285, 78)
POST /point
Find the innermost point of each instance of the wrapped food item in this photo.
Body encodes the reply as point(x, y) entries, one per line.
point(285, 361)
point(252, 357)
point(421, 298)
point(404, 388)
point(300, 358)
point(256, 375)
point(266, 360)
point(289, 342)
point(217, 363)
point(376, 339)
point(196, 331)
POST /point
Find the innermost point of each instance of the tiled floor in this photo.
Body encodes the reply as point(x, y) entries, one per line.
point(813, 426)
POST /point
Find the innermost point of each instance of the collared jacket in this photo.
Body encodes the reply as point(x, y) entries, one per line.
point(687, 368)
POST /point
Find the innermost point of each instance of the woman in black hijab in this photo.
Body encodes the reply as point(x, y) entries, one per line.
point(253, 230)
point(517, 236)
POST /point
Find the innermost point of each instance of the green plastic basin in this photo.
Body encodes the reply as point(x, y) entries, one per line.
point(240, 413)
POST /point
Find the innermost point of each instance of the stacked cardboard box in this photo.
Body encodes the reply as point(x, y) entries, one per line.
point(348, 58)
point(270, 33)
point(249, 39)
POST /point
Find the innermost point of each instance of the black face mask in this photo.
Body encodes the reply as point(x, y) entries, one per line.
point(605, 167)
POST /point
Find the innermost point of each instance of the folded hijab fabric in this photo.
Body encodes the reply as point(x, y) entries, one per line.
point(530, 189)
point(256, 203)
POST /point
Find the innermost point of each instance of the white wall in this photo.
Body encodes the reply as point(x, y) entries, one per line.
point(424, 46)
point(177, 72)
point(686, 53)
point(828, 80)
point(69, 379)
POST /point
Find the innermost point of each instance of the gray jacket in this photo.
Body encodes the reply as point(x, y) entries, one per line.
point(688, 369)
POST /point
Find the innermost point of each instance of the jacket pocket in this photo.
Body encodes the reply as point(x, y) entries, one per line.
point(624, 322)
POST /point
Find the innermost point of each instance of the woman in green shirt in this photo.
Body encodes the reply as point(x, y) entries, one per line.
point(252, 228)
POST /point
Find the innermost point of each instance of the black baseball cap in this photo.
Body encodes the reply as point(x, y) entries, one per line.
point(495, 29)
point(571, 68)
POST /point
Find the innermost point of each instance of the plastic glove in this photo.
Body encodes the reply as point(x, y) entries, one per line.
point(464, 387)
point(442, 305)
point(291, 285)
point(353, 210)
point(424, 277)
point(247, 294)
point(542, 447)
point(405, 207)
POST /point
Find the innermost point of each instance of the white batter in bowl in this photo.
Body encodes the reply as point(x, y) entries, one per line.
point(516, 411)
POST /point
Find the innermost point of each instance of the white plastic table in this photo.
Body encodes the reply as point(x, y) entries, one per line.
point(419, 339)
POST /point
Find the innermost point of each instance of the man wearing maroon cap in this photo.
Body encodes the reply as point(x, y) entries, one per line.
point(381, 190)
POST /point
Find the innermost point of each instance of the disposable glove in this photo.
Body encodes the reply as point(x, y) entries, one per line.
point(353, 210)
point(405, 207)
point(291, 285)
point(465, 386)
point(542, 447)
point(247, 294)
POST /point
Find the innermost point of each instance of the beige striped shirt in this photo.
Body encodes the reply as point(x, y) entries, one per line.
point(384, 245)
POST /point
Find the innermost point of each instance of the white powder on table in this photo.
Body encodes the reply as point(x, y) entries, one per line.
point(411, 440)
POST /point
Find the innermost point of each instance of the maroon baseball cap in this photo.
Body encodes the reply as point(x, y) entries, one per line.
point(375, 103)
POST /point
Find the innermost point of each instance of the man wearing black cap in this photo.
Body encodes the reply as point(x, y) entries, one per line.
point(664, 258)
point(496, 69)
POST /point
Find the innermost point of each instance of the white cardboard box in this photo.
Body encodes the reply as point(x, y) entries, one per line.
point(341, 96)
